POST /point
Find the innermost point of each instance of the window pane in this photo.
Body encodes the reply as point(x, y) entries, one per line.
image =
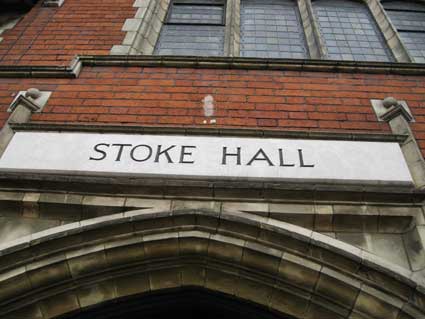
point(403, 5)
point(349, 31)
point(407, 20)
point(271, 29)
point(193, 29)
point(415, 44)
point(196, 14)
point(410, 25)
point(201, 40)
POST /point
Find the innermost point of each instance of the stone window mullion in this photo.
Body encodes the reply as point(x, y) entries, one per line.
point(315, 43)
point(232, 34)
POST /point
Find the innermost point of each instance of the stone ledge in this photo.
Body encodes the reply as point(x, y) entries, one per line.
point(245, 132)
point(161, 188)
point(73, 70)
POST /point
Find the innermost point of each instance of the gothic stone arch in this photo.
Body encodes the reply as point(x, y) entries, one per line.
point(282, 267)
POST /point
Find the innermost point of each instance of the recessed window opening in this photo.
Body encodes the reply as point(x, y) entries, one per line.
point(349, 31)
point(193, 28)
point(272, 29)
point(409, 20)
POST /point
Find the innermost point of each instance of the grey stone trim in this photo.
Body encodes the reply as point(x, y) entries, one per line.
point(16, 71)
point(203, 189)
point(385, 115)
point(400, 125)
point(307, 65)
point(35, 104)
point(259, 133)
point(232, 37)
point(315, 44)
point(390, 33)
point(22, 109)
point(143, 30)
point(284, 261)
point(53, 3)
point(324, 216)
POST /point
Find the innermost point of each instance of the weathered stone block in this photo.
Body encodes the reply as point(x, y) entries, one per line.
point(268, 260)
point(29, 312)
point(86, 263)
point(195, 205)
point(125, 254)
point(165, 278)
point(14, 286)
point(193, 276)
point(256, 208)
point(59, 304)
point(162, 247)
point(338, 287)
point(226, 248)
point(221, 281)
point(289, 301)
point(299, 271)
point(49, 275)
point(376, 304)
point(132, 284)
point(96, 293)
point(254, 291)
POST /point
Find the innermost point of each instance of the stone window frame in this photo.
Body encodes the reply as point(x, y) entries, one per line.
point(142, 31)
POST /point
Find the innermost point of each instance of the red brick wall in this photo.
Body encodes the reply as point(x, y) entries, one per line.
point(168, 96)
point(284, 100)
point(53, 36)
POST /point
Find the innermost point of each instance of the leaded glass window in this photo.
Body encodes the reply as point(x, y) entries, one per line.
point(271, 29)
point(193, 28)
point(409, 20)
point(350, 32)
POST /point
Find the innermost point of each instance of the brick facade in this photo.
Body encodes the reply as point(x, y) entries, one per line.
point(53, 36)
point(280, 100)
point(297, 247)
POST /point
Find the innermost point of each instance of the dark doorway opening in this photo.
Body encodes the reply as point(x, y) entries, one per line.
point(181, 303)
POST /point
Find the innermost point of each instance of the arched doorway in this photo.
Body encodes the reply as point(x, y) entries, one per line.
point(259, 263)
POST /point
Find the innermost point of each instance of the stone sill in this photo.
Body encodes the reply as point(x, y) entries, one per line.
point(306, 65)
point(238, 132)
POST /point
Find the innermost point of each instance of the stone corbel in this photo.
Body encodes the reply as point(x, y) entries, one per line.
point(33, 99)
point(389, 108)
point(397, 114)
point(26, 103)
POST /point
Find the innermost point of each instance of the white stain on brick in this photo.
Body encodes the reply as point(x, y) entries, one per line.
point(208, 105)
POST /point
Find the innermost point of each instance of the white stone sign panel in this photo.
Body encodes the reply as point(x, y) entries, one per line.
point(208, 157)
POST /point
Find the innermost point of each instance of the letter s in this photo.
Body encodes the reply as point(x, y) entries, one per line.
point(96, 148)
